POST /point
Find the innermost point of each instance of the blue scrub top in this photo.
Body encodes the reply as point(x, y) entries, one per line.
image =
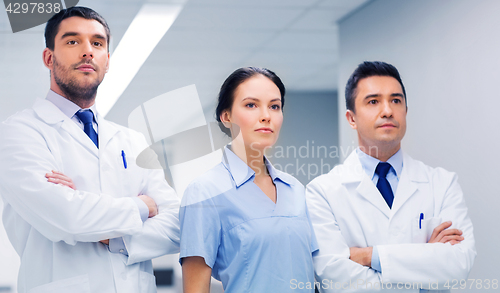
point(251, 243)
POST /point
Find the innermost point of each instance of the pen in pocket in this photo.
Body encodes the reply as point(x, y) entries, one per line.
point(124, 159)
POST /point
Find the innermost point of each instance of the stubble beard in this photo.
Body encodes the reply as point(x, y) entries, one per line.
point(70, 86)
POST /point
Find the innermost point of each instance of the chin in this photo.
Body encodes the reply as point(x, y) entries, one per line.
point(262, 144)
point(388, 137)
point(389, 142)
point(90, 83)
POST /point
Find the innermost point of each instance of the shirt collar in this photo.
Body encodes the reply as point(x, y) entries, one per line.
point(66, 106)
point(370, 163)
point(241, 172)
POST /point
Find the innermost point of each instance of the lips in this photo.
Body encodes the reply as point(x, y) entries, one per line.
point(264, 130)
point(86, 68)
point(387, 125)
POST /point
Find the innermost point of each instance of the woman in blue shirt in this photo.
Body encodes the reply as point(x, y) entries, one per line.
point(244, 222)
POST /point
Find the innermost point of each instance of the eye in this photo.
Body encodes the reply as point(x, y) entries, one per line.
point(250, 105)
point(275, 107)
point(72, 42)
point(97, 44)
point(372, 102)
point(397, 101)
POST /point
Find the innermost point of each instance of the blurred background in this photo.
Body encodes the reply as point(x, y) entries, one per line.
point(447, 53)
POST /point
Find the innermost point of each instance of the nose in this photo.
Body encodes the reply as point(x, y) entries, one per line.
point(386, 109)
point(265, 115)
point(87, 51)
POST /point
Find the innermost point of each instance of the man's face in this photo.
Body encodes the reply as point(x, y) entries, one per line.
point(80, 58)
point(380, 112)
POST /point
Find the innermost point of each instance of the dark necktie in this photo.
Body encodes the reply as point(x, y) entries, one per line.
point(87, 117)
point(383, 185)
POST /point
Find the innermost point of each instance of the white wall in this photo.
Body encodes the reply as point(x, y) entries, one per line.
point(447, 53)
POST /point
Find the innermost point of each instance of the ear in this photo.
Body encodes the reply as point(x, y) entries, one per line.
point(351, 119)
point(48, 58)
point(225, 118)
point(107, 63)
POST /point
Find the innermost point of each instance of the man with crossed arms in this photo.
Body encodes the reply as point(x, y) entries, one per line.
point(382, 219)
point(80, 213)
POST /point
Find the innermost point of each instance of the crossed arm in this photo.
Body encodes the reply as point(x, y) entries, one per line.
point(57, 177)
point(448, 254)
point(158, 235)
point(441, 234)
point(72, 215)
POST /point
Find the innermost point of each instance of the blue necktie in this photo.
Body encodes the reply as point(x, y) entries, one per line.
point(383, 185)
point(87, 117)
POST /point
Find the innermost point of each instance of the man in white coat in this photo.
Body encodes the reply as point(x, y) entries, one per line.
point(383, 220)
point(80, 213)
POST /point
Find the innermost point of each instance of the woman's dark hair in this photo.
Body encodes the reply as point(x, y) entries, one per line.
point(52, 27)
point(365, 70)
point(226, 93)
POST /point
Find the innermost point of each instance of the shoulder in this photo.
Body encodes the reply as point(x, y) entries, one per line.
point(420, 171)
point(212, 183)
point(26, 116)
point(439, 181)
point(331, 180)
point(24, 124)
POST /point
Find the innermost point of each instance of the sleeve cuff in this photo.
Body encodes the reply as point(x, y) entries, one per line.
point(376, 260)
point(143, 209)
point(116, 245)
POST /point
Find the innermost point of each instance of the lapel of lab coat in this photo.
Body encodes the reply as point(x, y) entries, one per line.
point(353, 173)
point(106, 131)
point(411, 174)
point(50, 114)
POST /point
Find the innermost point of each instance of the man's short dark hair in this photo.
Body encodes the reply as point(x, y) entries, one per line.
point(368, 69)
point(52, 27)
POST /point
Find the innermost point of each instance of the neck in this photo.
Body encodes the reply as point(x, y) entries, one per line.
point(380, 152)
point(253, 157)
point(84, 102)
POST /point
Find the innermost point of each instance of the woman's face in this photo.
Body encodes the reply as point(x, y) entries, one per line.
point(255, 117)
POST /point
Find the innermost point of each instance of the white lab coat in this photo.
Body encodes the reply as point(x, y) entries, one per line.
point(56, 230)
point(347, 210)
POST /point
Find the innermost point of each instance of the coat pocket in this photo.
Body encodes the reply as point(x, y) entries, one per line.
point(147, 282)
point(422, 229)
point(78, 284)
point(129, 174)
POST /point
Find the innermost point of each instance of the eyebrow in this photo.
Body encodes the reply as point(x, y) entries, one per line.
point(255, 99)
point(72, 34)
point(378, 95)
